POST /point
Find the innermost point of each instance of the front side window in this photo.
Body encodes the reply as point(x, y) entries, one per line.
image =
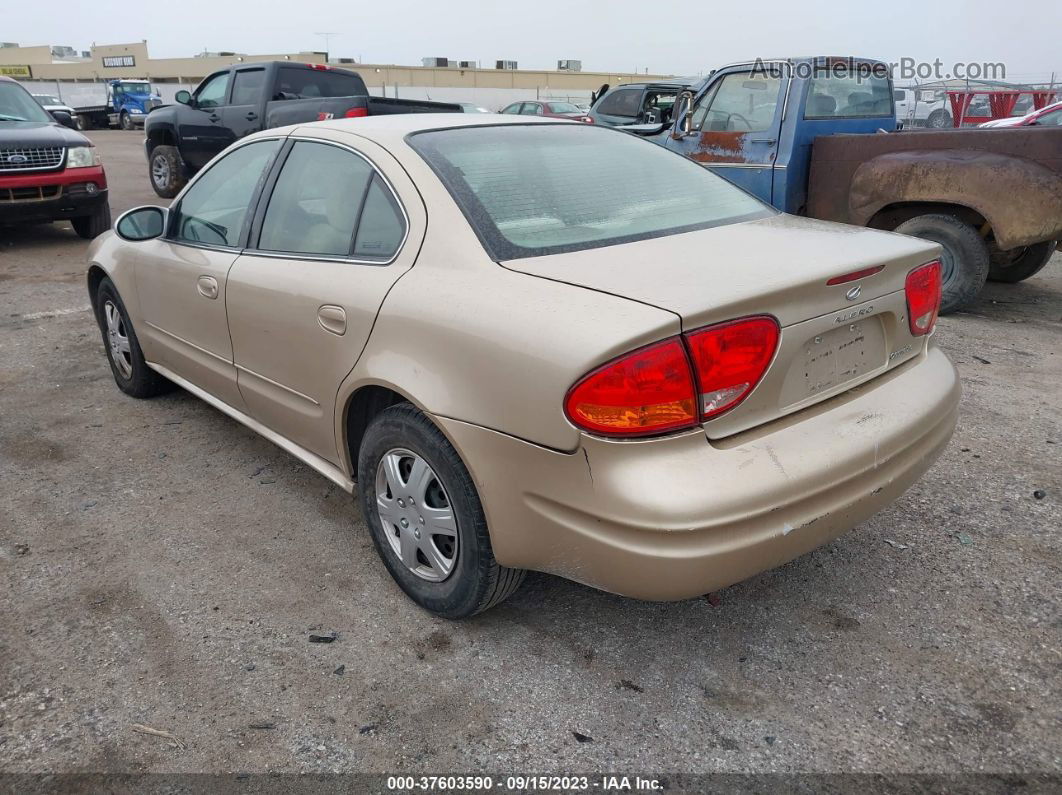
point(545, 189)
point(212, 94)
point(741, 101)
point(215, 207)
point(321, 195)
point(247, 86)
point(514, 108)
point(849, 95)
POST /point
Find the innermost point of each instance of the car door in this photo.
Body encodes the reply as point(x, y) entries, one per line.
point(905, 107)
point(181, 277)
point(200, 126)
point(337, 226)
point(241, 114)
point(735, 129)
point(531, 109)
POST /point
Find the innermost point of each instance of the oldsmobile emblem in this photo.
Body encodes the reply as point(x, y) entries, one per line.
point(853, 294)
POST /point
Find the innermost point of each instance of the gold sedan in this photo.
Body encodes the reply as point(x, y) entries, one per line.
point(537, 345)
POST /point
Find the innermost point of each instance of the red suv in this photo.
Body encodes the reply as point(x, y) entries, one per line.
point(47, 171)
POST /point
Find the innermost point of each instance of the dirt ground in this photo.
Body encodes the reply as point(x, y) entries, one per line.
point(161, 565)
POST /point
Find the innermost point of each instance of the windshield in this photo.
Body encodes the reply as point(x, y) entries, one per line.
point(536, 189)
point(17, 105)
point(47, 99)
point(133, 88)
point(562, 107)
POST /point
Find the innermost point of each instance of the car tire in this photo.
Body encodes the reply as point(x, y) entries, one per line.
point(964, 261)
point(1018, 264)
point(92, 226)
point(451, 576)
point(79, 121)
point(131, 373)
point(939, 120)
point(125, 121)
point(166, 171)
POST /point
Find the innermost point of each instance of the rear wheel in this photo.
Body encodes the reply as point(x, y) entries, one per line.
point(1018, 264)
point(425, 517)
point(939, 119)
point(131, 373)
point(92, 226)
point(167, 174)
point(964, 260)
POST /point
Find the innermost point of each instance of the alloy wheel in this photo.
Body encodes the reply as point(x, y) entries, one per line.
point(416, 515)
point(160, 172)
point(118, 340)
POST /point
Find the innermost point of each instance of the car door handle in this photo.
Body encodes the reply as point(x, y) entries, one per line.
point(771, 141)
point(207, 287)
point(214, 117)
point(251, 116)
point(333, 319)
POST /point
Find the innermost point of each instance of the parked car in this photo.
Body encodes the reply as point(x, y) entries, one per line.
point(546, 108)
point(50, 102)
point(472, 107)
point(48, 170)
point(811, 136)
point(917, 107)
point(457, 314)
point(1048, 116)
point(639, 103)
point(235, 102)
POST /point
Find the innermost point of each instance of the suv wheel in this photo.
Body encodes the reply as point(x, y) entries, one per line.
point(92, 226)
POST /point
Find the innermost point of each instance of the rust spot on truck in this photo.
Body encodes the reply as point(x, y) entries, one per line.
point(721, 147)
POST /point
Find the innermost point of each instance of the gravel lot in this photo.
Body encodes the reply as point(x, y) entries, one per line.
point(161, 565)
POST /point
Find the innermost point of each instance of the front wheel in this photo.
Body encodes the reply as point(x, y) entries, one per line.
point(1017, 264)
point(167, 174)
point(425, 517)
point(92, 226)
point(939, 120)
point(963, 262)
point(125, 121)
point(131, 373)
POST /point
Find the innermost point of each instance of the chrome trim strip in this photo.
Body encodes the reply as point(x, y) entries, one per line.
point(261, 377)
point(186, 342)
point(312, 460)
point(740, 165)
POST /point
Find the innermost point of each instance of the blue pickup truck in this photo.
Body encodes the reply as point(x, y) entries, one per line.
point(817, 137)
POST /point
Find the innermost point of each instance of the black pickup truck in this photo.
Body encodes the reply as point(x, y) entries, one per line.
point(227, 105)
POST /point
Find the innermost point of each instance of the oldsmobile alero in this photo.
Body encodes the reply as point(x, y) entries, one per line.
point(538, 345)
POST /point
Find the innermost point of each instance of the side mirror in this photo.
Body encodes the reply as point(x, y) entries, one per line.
point(184, 97)
point(64, 119)
point(683, 114)
point(142, 223)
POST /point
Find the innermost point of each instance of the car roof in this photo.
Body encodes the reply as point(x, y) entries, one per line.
point(396, 126)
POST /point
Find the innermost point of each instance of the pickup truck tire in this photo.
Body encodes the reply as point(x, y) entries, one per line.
point(964, 261)
point(1018, 264)
point(125, 122)
point(92, 226)
point(939, 119)
point(167, 173)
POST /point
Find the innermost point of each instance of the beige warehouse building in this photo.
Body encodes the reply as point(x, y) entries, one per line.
point(40, 68)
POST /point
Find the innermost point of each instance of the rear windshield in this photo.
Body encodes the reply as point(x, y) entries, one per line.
point(296, 83)
point(562, 107)
point(536, 189)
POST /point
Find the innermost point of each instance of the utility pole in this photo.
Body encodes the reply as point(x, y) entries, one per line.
point(327, 37)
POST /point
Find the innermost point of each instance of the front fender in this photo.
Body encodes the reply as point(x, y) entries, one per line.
point(1020, 198)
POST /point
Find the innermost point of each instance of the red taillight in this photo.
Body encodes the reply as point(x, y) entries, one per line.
point(320, 67)
point(729, 359)
point(851, 277)
point(923, 291)
point(356, 113)
point(588, 119)
point(645, 392)
point(655, 389)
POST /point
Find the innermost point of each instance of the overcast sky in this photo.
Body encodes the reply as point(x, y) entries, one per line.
point(676, 37)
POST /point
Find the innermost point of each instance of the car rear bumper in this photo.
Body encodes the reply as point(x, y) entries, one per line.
point(678, 517)
point(52, 196)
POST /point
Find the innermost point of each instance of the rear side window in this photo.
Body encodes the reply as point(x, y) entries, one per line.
point(851, 95)
point(213, 210)
point(322, 195)
point(621, 102)
point(534, 189)
point(247, 86)
point(295, 83)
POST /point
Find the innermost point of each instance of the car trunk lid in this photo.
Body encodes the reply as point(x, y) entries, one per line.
point(834, 336)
